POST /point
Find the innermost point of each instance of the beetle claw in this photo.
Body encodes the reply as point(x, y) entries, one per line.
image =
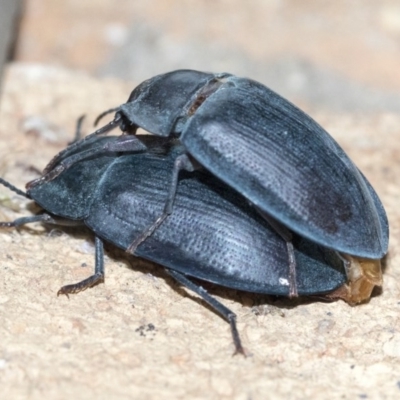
point(81, 286)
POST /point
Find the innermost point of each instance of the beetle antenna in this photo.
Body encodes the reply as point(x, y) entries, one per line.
point(78, 129)
point(104, 113)
point(14, 189)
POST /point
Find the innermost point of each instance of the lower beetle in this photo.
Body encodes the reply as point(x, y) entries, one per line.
point(214, 234)
point(264, 147)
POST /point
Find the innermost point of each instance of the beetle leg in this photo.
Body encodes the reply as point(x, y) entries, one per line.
point(182, 162)
point(103, 114)
point(76, 143)
point(92, 280)
point(215, 304)
point(45, 218)
point(292, 270)
point(97, 277)
point(287, 236)
point(23, 221)
point(121, 145)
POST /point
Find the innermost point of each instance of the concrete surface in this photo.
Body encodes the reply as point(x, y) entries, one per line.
point(101, 343)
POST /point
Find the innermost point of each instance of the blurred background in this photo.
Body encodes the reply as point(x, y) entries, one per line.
point(338, 55)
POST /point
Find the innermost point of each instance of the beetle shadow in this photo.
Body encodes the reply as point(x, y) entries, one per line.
point(248, 300)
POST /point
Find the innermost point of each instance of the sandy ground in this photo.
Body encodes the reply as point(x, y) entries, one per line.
point(139, 335)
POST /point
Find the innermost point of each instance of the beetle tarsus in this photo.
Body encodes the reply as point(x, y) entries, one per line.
point(81, 286)
point(239, 349)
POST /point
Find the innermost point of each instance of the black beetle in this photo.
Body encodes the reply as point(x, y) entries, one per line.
point(213, 233)
point(264, 147)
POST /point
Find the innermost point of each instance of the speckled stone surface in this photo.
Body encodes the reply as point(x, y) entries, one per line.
point(139, 335)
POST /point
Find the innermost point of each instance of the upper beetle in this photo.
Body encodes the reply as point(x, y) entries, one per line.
point(267, 149)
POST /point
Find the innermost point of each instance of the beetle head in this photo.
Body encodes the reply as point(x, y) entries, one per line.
point(157, 104)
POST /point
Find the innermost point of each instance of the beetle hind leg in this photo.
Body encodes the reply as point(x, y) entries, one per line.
point(215, 304)
point(292, 270)
point(287, 236)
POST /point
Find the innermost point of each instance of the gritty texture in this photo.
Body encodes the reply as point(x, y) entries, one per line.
point(139, 335)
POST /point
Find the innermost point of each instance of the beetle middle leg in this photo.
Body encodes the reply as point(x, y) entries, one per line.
point(215, 304)
point(182, 162)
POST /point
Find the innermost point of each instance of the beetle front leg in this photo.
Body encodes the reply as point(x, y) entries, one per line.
point(97, 277)
point(215, 304)
point(123, 144)
point(182, 162)
point(78, 141)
